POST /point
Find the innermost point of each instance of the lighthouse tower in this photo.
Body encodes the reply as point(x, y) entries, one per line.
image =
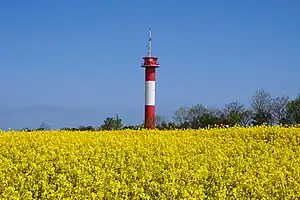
point(150, 64)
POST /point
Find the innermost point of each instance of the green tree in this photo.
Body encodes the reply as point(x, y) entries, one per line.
point(43, 127)
point(209, 117)
point(293, 111)
point(111, 123)
point(235, 113)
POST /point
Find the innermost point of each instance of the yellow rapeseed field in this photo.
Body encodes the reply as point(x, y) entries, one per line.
point(220, 163)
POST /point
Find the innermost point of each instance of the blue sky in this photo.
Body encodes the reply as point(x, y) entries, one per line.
point(68, 63)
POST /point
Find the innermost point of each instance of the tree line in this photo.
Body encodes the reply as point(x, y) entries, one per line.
point(264, 109)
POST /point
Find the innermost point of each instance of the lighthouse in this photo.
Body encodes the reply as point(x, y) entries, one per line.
point(150, 64)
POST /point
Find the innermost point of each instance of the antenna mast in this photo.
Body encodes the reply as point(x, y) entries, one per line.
point(150, 43)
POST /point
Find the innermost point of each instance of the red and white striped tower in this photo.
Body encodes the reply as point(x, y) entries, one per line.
point(150, 64)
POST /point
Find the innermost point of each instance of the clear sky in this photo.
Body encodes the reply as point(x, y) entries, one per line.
point(68, 63)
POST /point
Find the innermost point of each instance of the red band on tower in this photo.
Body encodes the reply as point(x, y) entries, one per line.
point(149, 117)
point(150, 74)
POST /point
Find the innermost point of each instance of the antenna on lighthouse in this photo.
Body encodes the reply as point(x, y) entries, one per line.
point(150, 42)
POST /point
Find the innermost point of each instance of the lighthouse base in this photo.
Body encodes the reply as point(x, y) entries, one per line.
point(149, 117)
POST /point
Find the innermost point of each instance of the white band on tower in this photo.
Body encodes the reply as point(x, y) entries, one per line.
point(150, 93)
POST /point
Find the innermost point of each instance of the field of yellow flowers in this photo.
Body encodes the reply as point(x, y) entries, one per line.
point(220, 163)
